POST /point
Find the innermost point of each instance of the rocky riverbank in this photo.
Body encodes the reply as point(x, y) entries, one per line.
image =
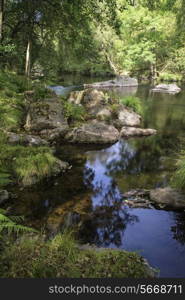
point(104, 120)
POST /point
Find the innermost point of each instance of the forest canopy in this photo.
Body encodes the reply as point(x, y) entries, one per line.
point(93, 37)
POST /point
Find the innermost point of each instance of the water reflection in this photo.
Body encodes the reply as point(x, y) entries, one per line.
point(108, 225)
point(178, 229)
point(97, 173)
point(99, 178)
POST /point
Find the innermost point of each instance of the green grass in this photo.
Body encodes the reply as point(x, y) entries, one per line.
point(61, 257)
point(132, 102)
point(27, 165)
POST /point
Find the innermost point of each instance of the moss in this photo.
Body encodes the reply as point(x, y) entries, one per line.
point(61, 257)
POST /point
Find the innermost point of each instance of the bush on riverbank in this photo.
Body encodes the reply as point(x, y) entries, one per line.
point(61, 257)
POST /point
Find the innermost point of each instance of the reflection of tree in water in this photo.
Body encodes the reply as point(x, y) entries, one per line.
point(107, 225)
point(141, 155)
point(97, 176)
point(179, 228)
point(109, 217)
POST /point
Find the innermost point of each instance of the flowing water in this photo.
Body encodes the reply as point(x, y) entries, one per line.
point(99, 177)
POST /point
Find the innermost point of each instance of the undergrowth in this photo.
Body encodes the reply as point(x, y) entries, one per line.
point(61, 257)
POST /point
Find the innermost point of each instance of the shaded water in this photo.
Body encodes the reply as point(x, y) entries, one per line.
point(100, 176)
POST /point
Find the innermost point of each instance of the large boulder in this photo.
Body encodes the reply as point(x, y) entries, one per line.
point(104, 114)
point(94, 101)
point(167, 88)
point(93, 133)
point(56, 134)
point(45, 114)
point(119, 81)
point(132, 132)
point(88, 98)
point(76, 97)
point(167, 198)
point(127, 117)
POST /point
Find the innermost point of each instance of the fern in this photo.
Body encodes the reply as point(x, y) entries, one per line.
point(9, 224)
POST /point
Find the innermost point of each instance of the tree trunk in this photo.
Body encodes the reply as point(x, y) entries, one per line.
point(112, 65)
point(28, 59)
point(1, 19)
point(153, 71)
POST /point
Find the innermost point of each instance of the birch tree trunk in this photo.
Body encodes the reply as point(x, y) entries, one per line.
point(28, 59)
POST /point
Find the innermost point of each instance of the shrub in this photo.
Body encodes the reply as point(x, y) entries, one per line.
point(132, 102)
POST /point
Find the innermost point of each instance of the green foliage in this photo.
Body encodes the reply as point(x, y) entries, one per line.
point(11, 100)
point(4, 178)
point(12, 82)
point(73, 112)
point(61, 257)
point(11, 112)
point(41, 92)
point(117, 36)
point(134, 103)
point(170, 77)
point(178, 179)
point(9, 224)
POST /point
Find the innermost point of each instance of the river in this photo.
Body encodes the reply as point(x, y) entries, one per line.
point(100, 175)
